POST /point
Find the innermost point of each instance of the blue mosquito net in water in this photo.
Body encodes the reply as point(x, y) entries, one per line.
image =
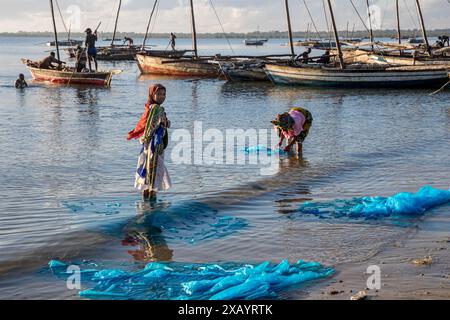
point(185, 281)
point(262, 149)
point(404, 203)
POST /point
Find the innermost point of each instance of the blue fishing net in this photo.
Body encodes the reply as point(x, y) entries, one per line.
point(187, 221)
point(185, 281)
point(400, 204)
point(262, 149)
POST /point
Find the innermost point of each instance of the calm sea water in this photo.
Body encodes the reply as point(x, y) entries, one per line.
point(67, 171)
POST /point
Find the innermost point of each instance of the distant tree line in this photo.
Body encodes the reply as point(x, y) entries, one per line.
point(255, 34)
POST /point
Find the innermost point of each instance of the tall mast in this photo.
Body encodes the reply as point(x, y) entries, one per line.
point(148, 25)
point(117, 20)
point(370, 22)
point(399, 33)
point(289, 27)
point(194, 31)
point(336, 36)
point(422, 23)
point(54, 29)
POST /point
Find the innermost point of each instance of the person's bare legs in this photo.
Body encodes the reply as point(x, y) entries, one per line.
point(90, 65)
point(299, 148)
point(149, 195)
point(96, 64)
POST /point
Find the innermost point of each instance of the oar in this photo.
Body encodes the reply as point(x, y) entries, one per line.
point(75, 67)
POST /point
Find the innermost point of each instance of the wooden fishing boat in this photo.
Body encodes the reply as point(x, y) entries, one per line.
point(184, 66)
point(243, 70)
point(192, 66)
point(358, 75)
point(394, 58)
point(68, 76)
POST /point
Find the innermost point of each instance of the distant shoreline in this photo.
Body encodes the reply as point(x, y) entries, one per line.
point(271, 34)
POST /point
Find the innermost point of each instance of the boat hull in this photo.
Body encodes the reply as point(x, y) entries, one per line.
point(252, 74)
point(161, 65)
point(68, 77)
point(333, 77)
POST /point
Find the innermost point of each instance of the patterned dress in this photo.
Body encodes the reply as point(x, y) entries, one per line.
point(151, 173)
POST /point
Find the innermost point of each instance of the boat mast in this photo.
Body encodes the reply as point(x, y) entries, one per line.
point(194, 32)
point(291, 43)
point(336, 36)
point(422, 23)
point(370, 23)
point(399, 33)
point(115, 26)
point(54, 29)
point(148, 25)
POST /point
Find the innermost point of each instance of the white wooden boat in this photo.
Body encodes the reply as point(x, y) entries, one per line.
point(358, 75)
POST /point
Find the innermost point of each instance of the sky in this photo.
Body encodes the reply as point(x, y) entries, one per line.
point(235, 15)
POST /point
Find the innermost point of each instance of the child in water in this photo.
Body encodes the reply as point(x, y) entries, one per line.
point(20, 82)
point(293, 126)
point(151, 130)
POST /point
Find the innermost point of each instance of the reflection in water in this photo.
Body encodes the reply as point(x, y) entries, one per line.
point(286, 201)
point(147, 238)
point(87, 96)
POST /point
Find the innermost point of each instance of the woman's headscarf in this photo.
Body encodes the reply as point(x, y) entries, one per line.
point(151, 93)
point(284, 122)
point(139, 130)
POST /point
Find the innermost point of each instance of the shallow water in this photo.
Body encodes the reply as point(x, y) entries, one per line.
point(66, 146)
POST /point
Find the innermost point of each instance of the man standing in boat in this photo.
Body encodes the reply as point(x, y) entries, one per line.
point(172, 41)
point(47, 63)
point(130, 41)
point(91, 38)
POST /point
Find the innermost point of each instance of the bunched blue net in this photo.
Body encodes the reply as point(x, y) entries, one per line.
point(185, 281)
point(400, 204)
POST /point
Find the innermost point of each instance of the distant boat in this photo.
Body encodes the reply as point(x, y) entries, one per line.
point(255, 42)
point(416, 40)
point(65, 43)
point(110, 39)
point(320, 44)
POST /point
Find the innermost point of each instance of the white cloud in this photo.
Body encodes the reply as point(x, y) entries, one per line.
point(236, 15)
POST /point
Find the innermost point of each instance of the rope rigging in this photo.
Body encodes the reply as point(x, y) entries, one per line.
point(312, 20)
point(60, 14)
point(223, 30)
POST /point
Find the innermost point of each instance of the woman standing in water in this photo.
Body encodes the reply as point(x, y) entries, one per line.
point(151, 174)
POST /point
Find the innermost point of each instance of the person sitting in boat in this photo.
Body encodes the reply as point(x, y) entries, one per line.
point(325, 58)
point(439, 44)
point(91, 38)
point(20, 82)
point(151, 174)
point(80, 55)
point(445, 40)
point(48, 62)
point(130, 41)
point(172, 41)
point(293, 126)
point(304, 57)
